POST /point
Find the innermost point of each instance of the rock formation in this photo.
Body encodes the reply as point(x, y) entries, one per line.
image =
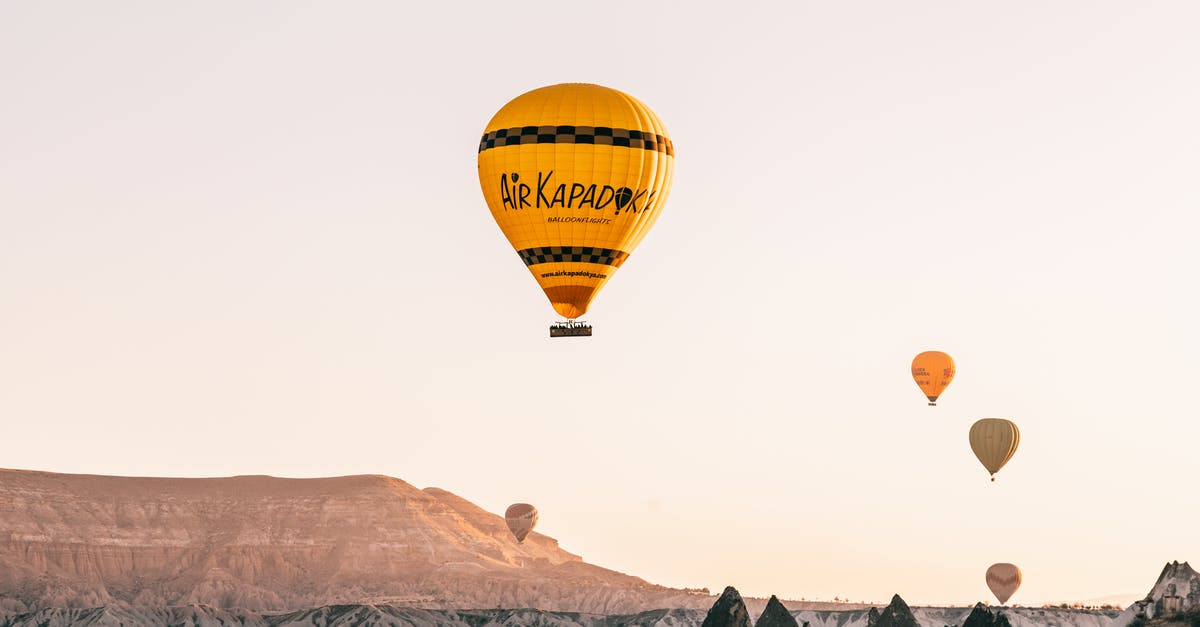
point(386, 615)
point(981, 616)
point(896, 614)
point(263, 551)
point(270, 544)
point(728, 611)
point(342, 616)
point(1176, 591)
point(775, 615)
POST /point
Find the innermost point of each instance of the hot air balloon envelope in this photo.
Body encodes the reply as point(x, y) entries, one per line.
point(994, 441)
point(521, 519)
point(575, 175)
point(933, 371)
point(1003, 580)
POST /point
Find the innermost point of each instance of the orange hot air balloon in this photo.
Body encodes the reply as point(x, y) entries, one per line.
point(1003, 580)
point(933, 371)
point(521, 519)
point(575, 175)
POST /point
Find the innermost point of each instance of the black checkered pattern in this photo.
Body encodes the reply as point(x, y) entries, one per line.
point(601, 135)
point(583, 254)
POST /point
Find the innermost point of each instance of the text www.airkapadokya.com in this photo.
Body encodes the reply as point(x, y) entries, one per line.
point(583, 273)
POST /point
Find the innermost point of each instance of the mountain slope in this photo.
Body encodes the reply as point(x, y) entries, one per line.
point(266, 543)
point(381, 615)
point(1177, 590)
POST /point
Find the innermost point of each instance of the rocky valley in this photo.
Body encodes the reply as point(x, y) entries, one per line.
point(374, 550)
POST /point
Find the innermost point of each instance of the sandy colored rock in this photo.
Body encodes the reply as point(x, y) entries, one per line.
point(269, 544)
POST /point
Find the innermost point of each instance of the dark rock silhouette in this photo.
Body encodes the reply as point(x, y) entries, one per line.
point(775, 615)
point(728, 611)
point(981, 616)
point(896, 614)
point(873, 617)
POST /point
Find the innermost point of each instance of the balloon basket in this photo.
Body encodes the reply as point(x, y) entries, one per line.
point(570, 328)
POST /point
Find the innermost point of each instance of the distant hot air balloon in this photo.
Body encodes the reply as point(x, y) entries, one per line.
point(521, 518)
point(994, 441)
point(575, 175)
point(933, 371)
point(1003, 580)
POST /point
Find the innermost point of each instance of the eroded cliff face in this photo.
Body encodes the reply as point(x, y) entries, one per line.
point(271, 544)
point(1176, 591)
point(384, 615)
point(344, 616)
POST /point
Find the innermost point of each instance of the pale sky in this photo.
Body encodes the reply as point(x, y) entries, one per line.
point(248, 238)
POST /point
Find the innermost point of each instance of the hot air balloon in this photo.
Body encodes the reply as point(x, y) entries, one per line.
point(521, 518)
point(575, 175)
point(1003, 580)
point(933, 371)
point(994, 441)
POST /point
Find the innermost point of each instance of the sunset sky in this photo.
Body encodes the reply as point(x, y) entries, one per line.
point(248, 238)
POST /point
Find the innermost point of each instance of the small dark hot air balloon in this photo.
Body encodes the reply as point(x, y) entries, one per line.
point(1003, 579)
point(521, 518)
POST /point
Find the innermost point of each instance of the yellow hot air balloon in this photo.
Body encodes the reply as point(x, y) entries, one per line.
point(933, 371)
point(994, 441)
point(521, 519)
point(575, 175)
point(1003, 580)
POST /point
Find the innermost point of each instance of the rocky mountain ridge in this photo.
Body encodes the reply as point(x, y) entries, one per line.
point(386, 615)
point(268, 544)
point(257, 550)
point(1176, 591)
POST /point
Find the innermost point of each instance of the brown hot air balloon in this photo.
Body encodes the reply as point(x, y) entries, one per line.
point(994, 441)
point(1003, 579)
point(521, 518)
